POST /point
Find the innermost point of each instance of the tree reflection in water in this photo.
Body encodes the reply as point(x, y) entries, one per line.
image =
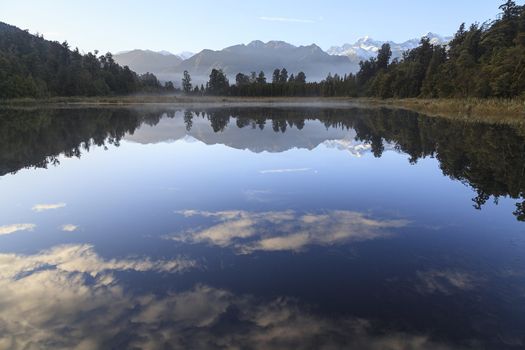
point(489, 158)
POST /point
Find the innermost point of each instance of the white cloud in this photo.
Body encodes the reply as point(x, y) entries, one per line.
point(286, 170)
point(9, 229)
point(286, 19)
point(42, 207)
point(284, 230)
point(69, 227)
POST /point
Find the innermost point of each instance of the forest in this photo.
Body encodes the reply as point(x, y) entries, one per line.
point(483, 60)
point(31, 66)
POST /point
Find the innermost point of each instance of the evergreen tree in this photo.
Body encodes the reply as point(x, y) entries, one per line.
point(283, 77)
point(301, 78)
point(218, 83)
point(242, 79)
point(31, 66)
point(276, 77)
point(261, 78)
point(383, 56)
point(186, 82)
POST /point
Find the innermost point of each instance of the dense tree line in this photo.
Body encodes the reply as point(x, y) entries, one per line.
point(486, 60)
point(31, 66)
point(36, 138)
point(282, 84)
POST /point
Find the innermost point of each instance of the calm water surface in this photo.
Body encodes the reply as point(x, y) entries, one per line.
point(259, 228)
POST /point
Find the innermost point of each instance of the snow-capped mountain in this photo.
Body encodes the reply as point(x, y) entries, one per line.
point(185, 55)
point(354, 147)
point(257, 55)
point(367, 47)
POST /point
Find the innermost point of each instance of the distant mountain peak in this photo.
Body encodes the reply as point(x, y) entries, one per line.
point(272, 44)
point(364, 39)
point(256, 43)
point(265, 56)
point(314, 46)
point(366, 47)
point(432, 35)
point(277, 44)
point(164, 53)
point(185, 54)
point(142, 61)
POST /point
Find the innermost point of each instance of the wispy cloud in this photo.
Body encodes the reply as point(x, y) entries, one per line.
point(42, 207)
point(287, 170)
point(8, 229)
point(286, 19)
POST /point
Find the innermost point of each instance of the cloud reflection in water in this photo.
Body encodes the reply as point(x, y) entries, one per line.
point(284, 230)
point(10, 229)
point(69, 298)
point(43, 207)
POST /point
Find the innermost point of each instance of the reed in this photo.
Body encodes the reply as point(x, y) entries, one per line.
point(501, 111)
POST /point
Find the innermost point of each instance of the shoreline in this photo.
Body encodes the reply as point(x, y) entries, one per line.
point(499, 111)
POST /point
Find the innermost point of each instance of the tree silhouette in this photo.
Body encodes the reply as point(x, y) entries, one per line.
point(186, 82)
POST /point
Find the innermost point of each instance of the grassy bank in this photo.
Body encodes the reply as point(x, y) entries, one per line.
point(475, 110)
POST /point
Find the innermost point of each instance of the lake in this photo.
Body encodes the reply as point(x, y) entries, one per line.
point(162, 227)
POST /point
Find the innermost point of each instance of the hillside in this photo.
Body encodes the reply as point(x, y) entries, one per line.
point(253, 57)
point(31, 66)
point(144, 61)
point(257, 56)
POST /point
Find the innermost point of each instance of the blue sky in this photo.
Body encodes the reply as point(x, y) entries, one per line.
point(194, 25)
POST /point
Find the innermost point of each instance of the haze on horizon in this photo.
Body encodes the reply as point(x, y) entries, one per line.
point(178, 26)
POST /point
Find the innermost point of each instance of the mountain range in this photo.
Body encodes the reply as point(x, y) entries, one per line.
point(143, 61)
point(257, 56)
point(367, 47)
point(313, 134)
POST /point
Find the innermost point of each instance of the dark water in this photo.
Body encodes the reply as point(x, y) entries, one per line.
point(259, 228)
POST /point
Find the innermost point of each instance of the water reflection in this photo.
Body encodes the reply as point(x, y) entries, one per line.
point(446, 281)
point(10, 229)
point(43, 207)
point(285, 230)
point(474, 154)
point(68, 297)
point(258, 228)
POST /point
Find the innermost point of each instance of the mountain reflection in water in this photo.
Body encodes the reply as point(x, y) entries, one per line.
point(260, 228)
point(489, 158)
